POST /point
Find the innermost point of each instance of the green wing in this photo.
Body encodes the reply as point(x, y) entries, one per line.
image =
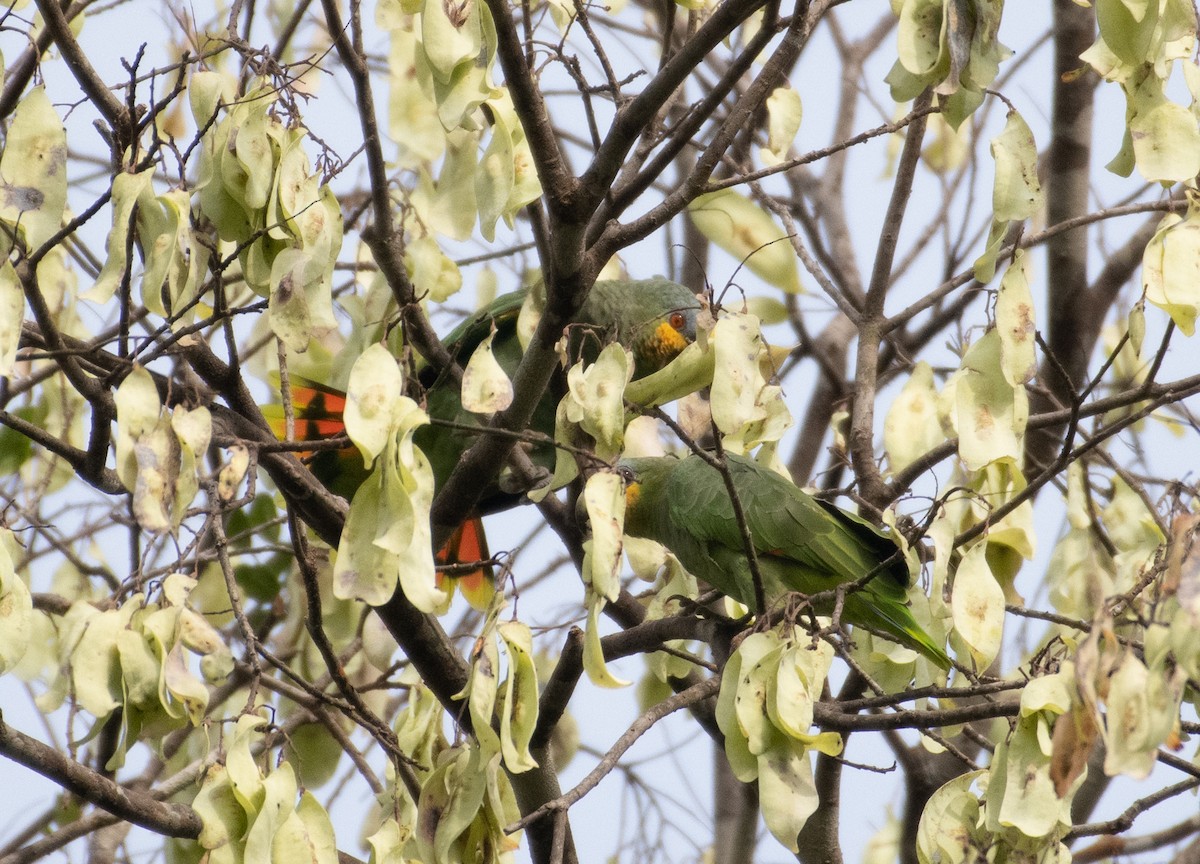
point(444, 445)
point(462, 341)
point(784, 522)
point(802, 545)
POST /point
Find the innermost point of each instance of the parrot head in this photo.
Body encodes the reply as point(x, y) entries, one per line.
point(645, 481)
point(654, 318)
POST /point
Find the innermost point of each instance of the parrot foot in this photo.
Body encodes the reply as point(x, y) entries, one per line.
point(510, 484)
point(801, 612)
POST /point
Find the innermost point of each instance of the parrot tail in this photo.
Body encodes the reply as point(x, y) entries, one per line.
point(894, 620)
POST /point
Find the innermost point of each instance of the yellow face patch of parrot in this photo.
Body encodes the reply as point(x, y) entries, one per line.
point(667, 342)
point(632, 493)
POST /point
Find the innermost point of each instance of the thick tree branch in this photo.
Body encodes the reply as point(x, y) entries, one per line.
point(173, 820)
point(1067, 186)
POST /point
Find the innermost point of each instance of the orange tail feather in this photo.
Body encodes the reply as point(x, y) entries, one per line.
point(466, 545)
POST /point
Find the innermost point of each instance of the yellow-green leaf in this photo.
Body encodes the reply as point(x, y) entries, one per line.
point(176, 264)
point(184, 687)
point(1166, 140)
point(371, 399)
point(604, 496)
point(33, 170)
point(912, 428)
point(526, 186)
point(446, 43)
point(1137, 327)
point(279, 801)
point(1143, 708)
point(948, 148)
point(1049, 693)
point(748, 233)
point(519, 720)
point(920, 44)
point(193, 430)
point(245, 778)
point(298, 311)
point(991, 414)
point(485, 385)
point(737, 385)
point(997, 483)
point(1029, 801)
point(306, 836)
point(387, 535)
point(1016, 192)
point(431, 270)
point(250, 175)
point(784, 112)
point(450, 801)
point(1171, 268)
point(482, 684)
point(761, 653)
point(94, 662)
point(692, 370)
point(884, 845)
point(790, 698)
point(223, 818)
point(147, 449)
point(143, 650)
point(949, 823)
point(595, 398)
point(494, 179)
point(742, 762)
point(447, 206)
point(978, 606)
point(126, 190)
point(413, 122)
point(1015, 322)
point(206, 91)
point(16, 607)
point(233, 472)
point(787, 792)
point(593, 653)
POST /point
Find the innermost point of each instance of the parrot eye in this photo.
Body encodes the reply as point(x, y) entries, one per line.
point(678, 320)
point(626, 474)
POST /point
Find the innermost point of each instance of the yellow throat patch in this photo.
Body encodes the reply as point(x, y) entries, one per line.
point(666, 343)
point(632, 492)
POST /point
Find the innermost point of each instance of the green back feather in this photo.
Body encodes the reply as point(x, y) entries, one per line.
point(801, 544)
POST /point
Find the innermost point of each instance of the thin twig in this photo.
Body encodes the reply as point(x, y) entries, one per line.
point(707, 687)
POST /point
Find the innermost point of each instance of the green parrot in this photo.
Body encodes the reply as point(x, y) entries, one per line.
point(654, 318)
point(801, 544)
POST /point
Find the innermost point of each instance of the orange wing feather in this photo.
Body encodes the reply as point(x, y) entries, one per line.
point(467, 544)
point(318, 411)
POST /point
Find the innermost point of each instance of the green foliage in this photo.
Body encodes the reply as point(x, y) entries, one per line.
point(207, 622)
